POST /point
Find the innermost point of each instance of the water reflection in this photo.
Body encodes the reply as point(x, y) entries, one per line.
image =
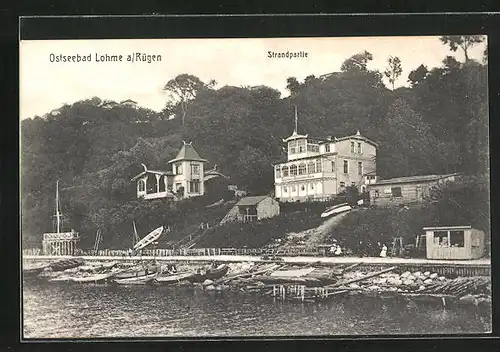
point(69, 311)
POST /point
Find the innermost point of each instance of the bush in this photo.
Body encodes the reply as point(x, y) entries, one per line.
point(259, 234)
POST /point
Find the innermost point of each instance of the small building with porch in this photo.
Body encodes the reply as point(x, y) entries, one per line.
point(254, 208)
point(454, 242)
point(406, 190)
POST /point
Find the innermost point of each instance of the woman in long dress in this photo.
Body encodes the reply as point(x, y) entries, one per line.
point(383, 252)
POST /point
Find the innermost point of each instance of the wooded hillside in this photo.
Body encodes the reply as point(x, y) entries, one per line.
point(438, 124)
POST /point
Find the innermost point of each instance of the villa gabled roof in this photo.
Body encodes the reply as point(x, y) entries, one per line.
point(251, 200)
point(187, 152)
point(356, 136)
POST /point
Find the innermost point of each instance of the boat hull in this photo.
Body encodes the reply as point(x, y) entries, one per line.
point(140, 280)
point(172, 279)
point(93, 278)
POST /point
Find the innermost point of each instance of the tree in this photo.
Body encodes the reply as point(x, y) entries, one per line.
point(407, 147)
point(394, 70)
point(357, 62)
point(418, 75)
point(464, 42)
point(184, 88)
point(292, 85)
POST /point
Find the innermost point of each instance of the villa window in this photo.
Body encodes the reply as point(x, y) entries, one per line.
point(278, 172)
point(302, 188)
point(359, 148)
point(293, 170)
point(360, 168)
point(376, 194)
point(352, 147)
point(194, 186)
point(318, 166)
point(178, 169)
point(342, 184)
point(142, 186)
point(311, 168)
point(292, 147)
point(327, 148)
point(301, 144)
point(311, 186)
point(293, 188)
point(285, 171)
point(302, 169)
point(333, 166)
point(346, 167)
point(195, 169)
point(285, 189)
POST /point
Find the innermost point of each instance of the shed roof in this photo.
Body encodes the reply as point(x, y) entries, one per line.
point(251, 200)
point(187, 152)
point(421, 178)
point(434, 228)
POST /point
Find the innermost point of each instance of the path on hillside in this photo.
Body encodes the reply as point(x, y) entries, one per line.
point(317, 235)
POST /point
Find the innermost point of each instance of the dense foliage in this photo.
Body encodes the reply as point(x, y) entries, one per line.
point(462, 203)
point(95, 147)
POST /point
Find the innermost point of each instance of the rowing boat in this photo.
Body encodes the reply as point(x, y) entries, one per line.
point(211, 274)
point(171, 279)
point(139, 280)
point(93, 278)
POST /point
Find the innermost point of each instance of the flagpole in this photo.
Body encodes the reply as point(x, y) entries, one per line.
point(296, 119)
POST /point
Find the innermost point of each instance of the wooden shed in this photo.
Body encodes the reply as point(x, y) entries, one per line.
point(406, 190)
point(454, 242)
point(255, 208)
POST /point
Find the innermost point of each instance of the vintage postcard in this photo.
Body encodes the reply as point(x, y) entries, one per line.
point(327, 186)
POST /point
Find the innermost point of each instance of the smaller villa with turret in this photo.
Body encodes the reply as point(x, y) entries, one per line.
point(186, 178)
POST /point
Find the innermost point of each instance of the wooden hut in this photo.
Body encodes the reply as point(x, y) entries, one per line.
point(454, 242)
point(406, 190)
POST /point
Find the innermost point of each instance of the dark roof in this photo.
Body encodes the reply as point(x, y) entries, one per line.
point(422, 178)
point(251, 200)
point(187, 152)
point(157, 172)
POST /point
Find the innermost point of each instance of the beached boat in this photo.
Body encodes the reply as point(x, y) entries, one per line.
point(139, 280)
point(210, 274)
point(32, 272)
point(93, 278)
point(64, 278)
point(172, 279)
point(336, 209)
point(150, 238)
point(137, 271)
point(66, 264)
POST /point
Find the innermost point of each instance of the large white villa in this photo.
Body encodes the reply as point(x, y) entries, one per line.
point(318, 169)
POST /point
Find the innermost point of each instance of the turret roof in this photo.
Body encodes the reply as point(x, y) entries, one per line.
point(187, 152)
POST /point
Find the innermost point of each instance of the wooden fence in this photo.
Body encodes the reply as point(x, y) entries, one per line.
point(194, 252)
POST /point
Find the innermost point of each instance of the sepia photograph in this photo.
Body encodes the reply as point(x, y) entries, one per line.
point(254, 187)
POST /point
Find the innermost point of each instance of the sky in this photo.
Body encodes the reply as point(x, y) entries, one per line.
point(46, 85)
